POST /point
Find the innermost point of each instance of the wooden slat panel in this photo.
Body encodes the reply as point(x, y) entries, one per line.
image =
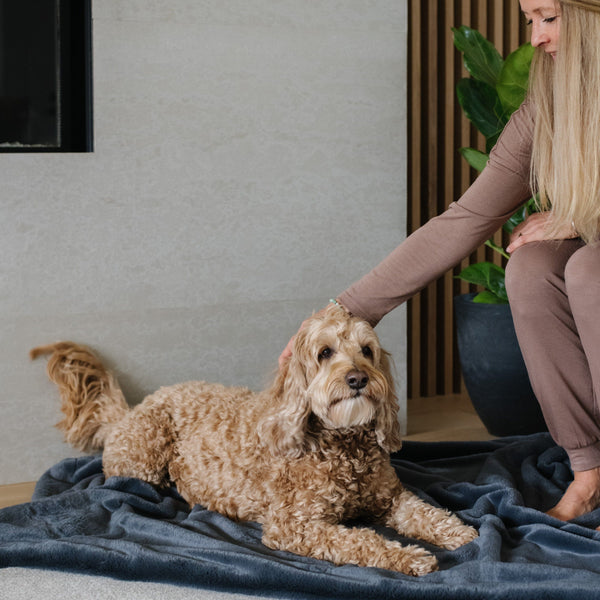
point(433, 190)
point(450, 127)
point(437, 175)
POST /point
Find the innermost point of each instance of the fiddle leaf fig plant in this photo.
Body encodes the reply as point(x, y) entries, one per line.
point(495, 89)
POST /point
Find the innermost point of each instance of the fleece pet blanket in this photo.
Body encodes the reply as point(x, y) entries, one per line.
point(127, 529)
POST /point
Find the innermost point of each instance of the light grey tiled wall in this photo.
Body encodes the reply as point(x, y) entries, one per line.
point(249, 164)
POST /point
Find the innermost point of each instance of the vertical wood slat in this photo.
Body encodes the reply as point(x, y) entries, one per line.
point(437, 174)
point(433, 190)
point(451, 59)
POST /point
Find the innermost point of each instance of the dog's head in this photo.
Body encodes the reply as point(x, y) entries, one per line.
point(339, 373)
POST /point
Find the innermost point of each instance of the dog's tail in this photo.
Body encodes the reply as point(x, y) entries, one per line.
point(92, 400)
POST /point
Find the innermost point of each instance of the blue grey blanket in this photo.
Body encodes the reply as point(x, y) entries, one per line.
point(125, 528)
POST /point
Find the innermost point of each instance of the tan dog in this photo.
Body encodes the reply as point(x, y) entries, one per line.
point(301, 458)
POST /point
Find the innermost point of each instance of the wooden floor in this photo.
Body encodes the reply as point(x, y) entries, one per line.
point(15, 493)
point(444, 419)
point(449, 418)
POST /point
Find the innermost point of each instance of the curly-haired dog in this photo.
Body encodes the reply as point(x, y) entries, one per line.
point(302, 457)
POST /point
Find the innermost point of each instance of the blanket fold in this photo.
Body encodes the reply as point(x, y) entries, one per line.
point(127, 529)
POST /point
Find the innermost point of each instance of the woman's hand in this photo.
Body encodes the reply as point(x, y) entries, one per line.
point(535, 228)
point(287, 351)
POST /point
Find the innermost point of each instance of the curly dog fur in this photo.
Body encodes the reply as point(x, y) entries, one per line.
point(302, 458)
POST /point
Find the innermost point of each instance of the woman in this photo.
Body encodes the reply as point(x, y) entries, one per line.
point(551, 145)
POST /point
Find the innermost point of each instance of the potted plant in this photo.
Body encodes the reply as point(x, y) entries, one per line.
point(492, 365)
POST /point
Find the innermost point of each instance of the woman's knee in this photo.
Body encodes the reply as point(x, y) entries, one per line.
point(582, 271)
point(532, 268)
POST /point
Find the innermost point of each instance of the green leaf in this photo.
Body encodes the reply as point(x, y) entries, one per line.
point(488, 275)
point(475, 158)
point(487, 297)
point(515, 220)
point(491, 244)
point(477, 274)
point(528, 208)
point(513, 80)
point(481, 104)
point(532, 204)
point(481, 58)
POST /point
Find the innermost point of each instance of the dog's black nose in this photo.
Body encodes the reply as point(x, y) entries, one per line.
point(357, 380)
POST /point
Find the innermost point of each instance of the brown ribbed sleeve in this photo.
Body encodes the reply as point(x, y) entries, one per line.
point(445, 240)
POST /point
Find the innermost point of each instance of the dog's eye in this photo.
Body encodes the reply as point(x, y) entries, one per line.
point(325, 354)
point(367, 352)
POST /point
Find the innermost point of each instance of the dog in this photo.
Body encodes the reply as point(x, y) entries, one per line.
point(303, 458)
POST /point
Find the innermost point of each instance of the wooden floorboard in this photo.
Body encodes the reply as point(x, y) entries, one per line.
point(15, 493)
point(444, 419)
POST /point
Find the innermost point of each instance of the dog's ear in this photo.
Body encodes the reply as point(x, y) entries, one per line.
point(388, 426)
point(283, 428)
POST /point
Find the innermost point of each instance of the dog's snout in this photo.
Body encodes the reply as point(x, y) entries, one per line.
point(357, 380)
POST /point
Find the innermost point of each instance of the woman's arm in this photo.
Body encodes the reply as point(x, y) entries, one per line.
point(444, 241)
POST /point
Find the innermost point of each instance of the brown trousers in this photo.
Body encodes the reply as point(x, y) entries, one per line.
point(554, 293)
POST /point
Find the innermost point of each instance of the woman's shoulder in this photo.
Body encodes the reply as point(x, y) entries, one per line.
point(521, 122)
point(517, 134)
point(527, 109)
point(512, 152)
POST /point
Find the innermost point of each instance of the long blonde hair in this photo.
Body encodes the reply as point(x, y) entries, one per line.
point(566, 144)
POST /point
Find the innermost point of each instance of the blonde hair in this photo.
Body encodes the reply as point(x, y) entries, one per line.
point(566, 144)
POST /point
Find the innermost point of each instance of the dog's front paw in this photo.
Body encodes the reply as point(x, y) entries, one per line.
point(410, 560)
point(459, 536)
point(418, 562)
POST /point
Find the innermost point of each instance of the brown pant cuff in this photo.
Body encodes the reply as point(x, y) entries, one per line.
point(586, 458)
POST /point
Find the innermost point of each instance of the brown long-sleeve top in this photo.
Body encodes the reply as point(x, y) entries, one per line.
point(445, 240)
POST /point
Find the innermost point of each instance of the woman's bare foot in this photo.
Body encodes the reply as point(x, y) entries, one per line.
point(581, 497)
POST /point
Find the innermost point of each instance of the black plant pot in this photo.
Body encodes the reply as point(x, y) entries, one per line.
point(493, 368)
